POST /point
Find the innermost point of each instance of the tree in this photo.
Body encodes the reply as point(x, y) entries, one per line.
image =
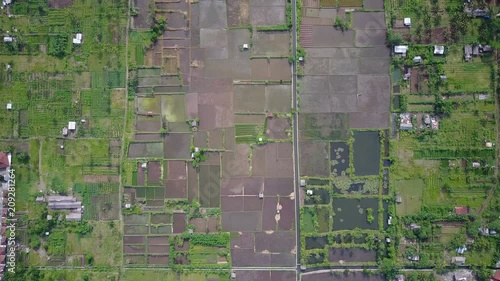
point(23, 157)
point(393, 38)
point(389, 268)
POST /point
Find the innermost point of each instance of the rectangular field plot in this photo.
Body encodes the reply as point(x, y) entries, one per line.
point(339, 157)
point(354, 213)
point(328, 126)
point(100, 200)
point(366, 150)
point(353, 255)
point(210, 186)
point(411, 192)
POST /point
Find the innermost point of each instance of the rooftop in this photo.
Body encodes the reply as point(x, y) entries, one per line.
point(438, 50)
point(4, 160)
point(461, 211)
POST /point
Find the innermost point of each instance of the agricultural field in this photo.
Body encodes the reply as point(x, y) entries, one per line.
point(62, 86)
point(344, 136)
point(443, 150)
point(208, 172)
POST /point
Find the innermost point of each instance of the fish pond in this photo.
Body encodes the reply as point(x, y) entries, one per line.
point(355, 213)
point(366, 150)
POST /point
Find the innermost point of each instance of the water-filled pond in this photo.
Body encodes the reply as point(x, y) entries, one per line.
point(353, 213)
point(366, 153)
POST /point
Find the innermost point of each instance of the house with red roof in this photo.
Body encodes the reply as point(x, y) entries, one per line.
point(461, 210)
point(5, 160)
point(496, 276)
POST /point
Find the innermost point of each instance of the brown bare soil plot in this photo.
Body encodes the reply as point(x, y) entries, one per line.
point(175, 189)
point(158, 259)
point(179, 222)
point(133, 240)
point(154, 173)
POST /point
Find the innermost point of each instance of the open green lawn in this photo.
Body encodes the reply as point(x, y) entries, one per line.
point(447, 234)
point(309, 219)
point(469, 76)
point(411, 193)
point(104, 243)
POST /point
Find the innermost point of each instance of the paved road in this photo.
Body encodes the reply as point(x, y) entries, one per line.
point(295, 132)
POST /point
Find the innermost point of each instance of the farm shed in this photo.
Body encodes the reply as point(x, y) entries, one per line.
point(74, 217)
point(496, 276)
point(78, 39)
point(65, 131)
point(9, 106)
point(8, 39)
point(407, 22)
point(400, 277)
point(417, 59)
point(475, 51)
point(65, 205)
point(59, 198)
point(461, 210)
point(458, 260)
point(438, 50)
point(400, 49)
point(405, 122)
point(72, 125)
point(485, 49)
point(4, 160)
point(467, 52)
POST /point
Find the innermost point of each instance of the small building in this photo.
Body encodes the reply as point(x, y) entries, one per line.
point(72, 125)
point(414, 226)
point(475, 51)
point(9, 106)
point(407, 74)
point(458, 260)
point(438, 50)
point(399, 199)
point(479, 13)
point(483, 96)
point(8, 39)
point(389, 220)
point(5, 160)
point(414, 258)
point(78, 38)
point(434, 124)
point(488, 144)
point(407, 22)
point(401, 49)
point(65, 131)
point(405, 123)
point(476, 165)
point(467, 52)
point(309, 192)
point(400, 277)
point(485, 49)
point(74, 216)
point(497, 265)
point(427, 119)
point(64, 205)
point(417, 59)
point(443, 77)
point(496, 276)
point(40, 199)
point(461, 211)
point(484, 231)
point(303, 183)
